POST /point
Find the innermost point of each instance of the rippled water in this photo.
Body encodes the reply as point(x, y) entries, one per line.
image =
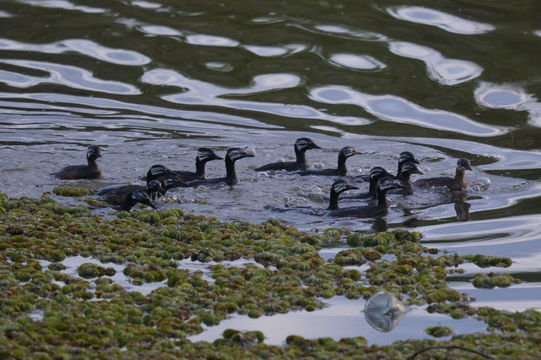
point(151, 81)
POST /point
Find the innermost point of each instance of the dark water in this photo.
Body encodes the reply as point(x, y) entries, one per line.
point(151, 81)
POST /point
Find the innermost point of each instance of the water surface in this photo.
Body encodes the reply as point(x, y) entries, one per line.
point(152, 81)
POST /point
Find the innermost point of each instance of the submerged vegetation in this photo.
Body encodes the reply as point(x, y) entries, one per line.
point(89, 316)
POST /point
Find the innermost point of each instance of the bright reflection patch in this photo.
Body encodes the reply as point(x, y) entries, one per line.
point(440, 19)
point(356, 62)
point(439, 68)
point(397, 109)
point(160, 30)
point(211, 40)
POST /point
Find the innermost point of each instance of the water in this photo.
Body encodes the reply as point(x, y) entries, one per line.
point(151, 81)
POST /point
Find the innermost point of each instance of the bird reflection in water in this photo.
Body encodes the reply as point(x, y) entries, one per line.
point(462, 207)
point(383, 311)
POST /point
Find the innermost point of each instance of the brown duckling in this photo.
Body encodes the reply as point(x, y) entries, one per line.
point(454, 183)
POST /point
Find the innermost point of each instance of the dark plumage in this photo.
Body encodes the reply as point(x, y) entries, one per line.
point(125, 200)
point(166, 177)
point(376, 174)
point(456, 183)
point(341, 170)
point(153, 189)
point(404, 176)
point(301, 146)
point(232, 155)
point(204, 155)
point(403, 157)
point(338, 187)
point(89, 171)
point(369, 211)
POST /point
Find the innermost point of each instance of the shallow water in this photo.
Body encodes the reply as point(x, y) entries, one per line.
point(151, 81)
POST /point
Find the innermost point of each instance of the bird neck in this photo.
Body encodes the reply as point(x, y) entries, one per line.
point(333, 201)
point(382, 198)
point(92, 163)
point(342, 169)
point(230, 173)
point(373, 188)
point(200, 167)
point(300, 156)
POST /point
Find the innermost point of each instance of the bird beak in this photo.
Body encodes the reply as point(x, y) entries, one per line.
point(314, 146)
point(149, 203)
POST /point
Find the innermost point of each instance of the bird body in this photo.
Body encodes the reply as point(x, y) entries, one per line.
point(204, 155)
point(344, 154)
point(369, 211)
point(301, 146)
point(458, 182)
point(230, 178)
point(89, 171)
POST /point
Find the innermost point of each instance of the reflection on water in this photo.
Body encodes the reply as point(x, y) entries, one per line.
point(152, 81)
point(445, 21)
point(342, 318)
point(393, 108)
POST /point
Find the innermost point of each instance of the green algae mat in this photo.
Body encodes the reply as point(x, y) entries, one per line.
point(88, 316)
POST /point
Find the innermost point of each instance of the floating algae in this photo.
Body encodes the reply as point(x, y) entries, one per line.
point(95, 317)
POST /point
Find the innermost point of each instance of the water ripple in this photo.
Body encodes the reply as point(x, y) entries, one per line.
point(84, 47)
point(114, 56)
point(71, 76)
point(440, 19)
point(211, 40)
point(443, 70)
point(199, 92)
point(146, 4)
point(356, 62)
point(397, 109)
point(159, 30)
point(271, 51)
point(63, 4)
point(5, 14)
point(346, 32)
point(511, 97)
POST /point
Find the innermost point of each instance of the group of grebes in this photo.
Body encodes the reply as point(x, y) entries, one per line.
point(159, 179)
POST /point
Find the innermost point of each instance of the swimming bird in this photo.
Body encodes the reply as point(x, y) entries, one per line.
point(204, 155)
point(454, 183)
point(403, 157)
point(338, 187)
point(301, 146)
point(376, 174)
point(369, 211)
point(341, 170)
point(89, 171)
point(165, 176)
point(153, 189)
point(232, 155)
point(404, 176)
point(125, 200)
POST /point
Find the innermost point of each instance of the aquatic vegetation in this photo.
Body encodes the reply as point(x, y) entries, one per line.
point(484, 261)
point(72, 191)
point(89, 271)
point(86, 315)
point(439, 331)
point(492, 280)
